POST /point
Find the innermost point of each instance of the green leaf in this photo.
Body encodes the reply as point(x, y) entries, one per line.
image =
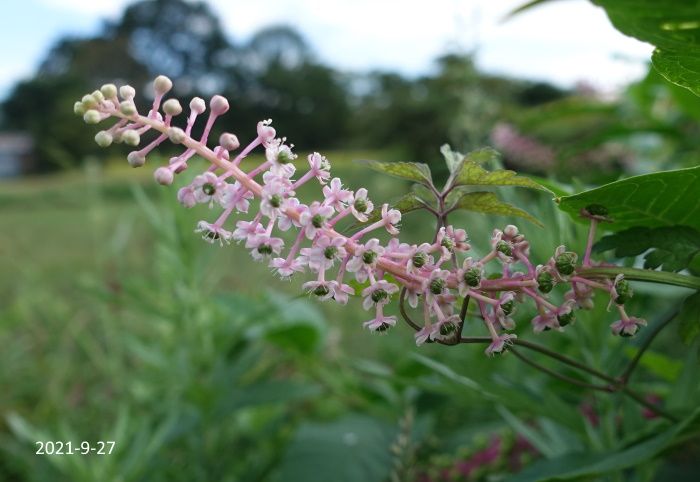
point(487, 203)
point(413, 171)
point(672, 248)
point(355, 448)
point(689, 318)
point(452, 158)
point(673, 26)
point(664, 198)
point(472, 174)
point(576, 466)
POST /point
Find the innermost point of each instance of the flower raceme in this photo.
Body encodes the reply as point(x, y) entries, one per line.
point(429, 274)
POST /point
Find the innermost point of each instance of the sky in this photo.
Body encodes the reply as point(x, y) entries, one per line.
point(563, 42)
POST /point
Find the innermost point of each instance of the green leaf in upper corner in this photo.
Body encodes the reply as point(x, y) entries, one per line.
point(689, 318)
point(472, 174)
point(413, 171)
point(664, 198)
point(487, 203)
point(452, 158)
point(672, 248)
point(672, 26)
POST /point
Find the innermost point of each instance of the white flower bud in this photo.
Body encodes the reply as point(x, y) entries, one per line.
point(229, 141)
point(109, 91)
point(164, 176)
point(218, 105)
point(103, 139)
point(176, 135)
point(89, 101)
point(79, 108)
point(162, 84)
point(197, 105)
point(131, 137)
point(98, 96)
point(172, 107)
point(127, 107)
point(92, 117)
point(135, 159)
point(510, 231)
point(127, 92)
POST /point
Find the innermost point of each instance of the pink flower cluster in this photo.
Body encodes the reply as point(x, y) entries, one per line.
point(429, 273)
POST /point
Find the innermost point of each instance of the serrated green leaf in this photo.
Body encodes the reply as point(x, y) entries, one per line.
point(673, 26)
point(472, 174)
point(689, 318)
point(672, 248)
point(487, 203)
point(664, 198)
point(424, 193)
point(413, 171)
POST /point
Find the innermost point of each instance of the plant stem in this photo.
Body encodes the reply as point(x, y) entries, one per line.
point(663, 277)
point(573, 381)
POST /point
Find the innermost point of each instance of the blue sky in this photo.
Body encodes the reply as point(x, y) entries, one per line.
point(563, 42)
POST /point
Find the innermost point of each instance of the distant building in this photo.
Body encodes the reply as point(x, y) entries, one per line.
point(16, 153)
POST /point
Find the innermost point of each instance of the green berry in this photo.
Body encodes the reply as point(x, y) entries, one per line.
point(472, 277)
point(505, 248)
point(419, 259)
point(624, 292)
point(566, 318)
point(437, 286)
point(545, 282)
point(566, 263)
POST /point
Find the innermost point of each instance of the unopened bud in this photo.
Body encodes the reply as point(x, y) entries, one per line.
point(131, 137)
point(472, 277)
point(545, 282)
point(172, 107)
point(218, 105)
point(162, 84)
point(89, 101)
point(79, 108)
point(176, 135)
point(98, 96)
point(624, 292)
point(135, 159)
point(229, 141)
point(197, 105)
point(505, 248)
point(92, 117)
point(127, 92)
point(566, 262)
point(511, 231)
point(163, 176)
point(109, 91)
point(103, 139)
point(127, 108)
point(566, 318)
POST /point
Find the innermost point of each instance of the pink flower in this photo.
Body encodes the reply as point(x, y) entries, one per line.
point(365, 259)
point(436, 284)
point(341, 291)
point(545, 321)
point(428, 332)
point(208, 188)
point(264, 245)
point(213, 232)
point(335, 195)
point(378, 293)
point(380, 322)
point(323, 253)
point(284, 222)
point(286, 268)
point(320, 167)
point(419, 258)
point(274, 195)
point(503, 310)
point(314, 217)
point(391, 217)
point(245, 230)
point(237, 197)
point(266, 133)
point(361, 206)
point(323, 289)
point(469, 276)
point(281, 157)
point(499, 344)
point(627, 326)
point(186, 196)
point(452, 239)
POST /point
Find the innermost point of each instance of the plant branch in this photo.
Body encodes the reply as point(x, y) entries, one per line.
point(663, 277)
point(573, 381)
